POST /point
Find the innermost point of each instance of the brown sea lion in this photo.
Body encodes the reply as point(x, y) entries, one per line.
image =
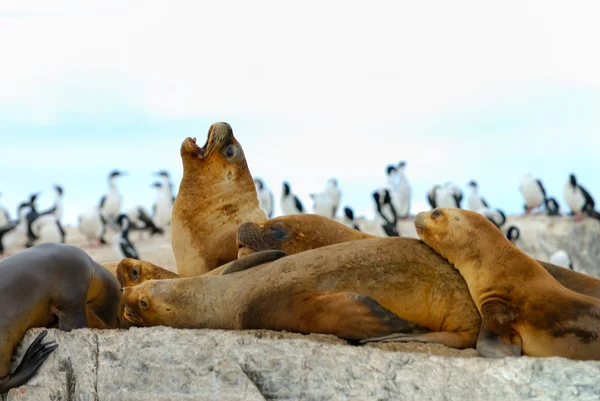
point(524, 309)
point(293, 234)
point(216, 195)
point(355, 290)
point(47, 285)
point(299, 233)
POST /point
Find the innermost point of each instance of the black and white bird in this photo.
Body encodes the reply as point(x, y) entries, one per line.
point(332, 191)
point(533, 192)
point(476, 201)
point(163, 206)
point(385, 212)
point(290, 203)
point(4, 216)
point(431, 195)
point(579, 199)
point(140, 220)
point(448, 195)
point(122, 245)
point(561, 258)
point(110, 203)
point(13, 236)
point(513, 233)
point(552, 207)
point(93, 226)
point(402, 193)
point(348, 218)
point(322, 205)
point(265, 197)
point(496, 216)
point(166, 181)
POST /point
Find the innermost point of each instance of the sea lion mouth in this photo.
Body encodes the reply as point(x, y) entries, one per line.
point(219, 136)
point(133, 317)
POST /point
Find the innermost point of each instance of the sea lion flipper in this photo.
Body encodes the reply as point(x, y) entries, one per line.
point(72, 318)
point(496, 339)
point(356, 316)
point(253, 260)
point(450, 339)
point(35, 355)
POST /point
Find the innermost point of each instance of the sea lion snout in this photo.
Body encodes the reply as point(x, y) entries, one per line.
point(420, 222)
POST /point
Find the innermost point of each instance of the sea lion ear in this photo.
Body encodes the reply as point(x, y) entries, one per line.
point(255, 259)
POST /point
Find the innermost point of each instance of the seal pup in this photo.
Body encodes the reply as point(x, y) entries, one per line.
point(524, 309)
point(265, 197)
point(216, 195)
point(294, 234)
point(331, 290)
point(579, 199)
point(476, 201)
point(290, 203)
point(533, 192)
point(45, 285)
point(121, 242)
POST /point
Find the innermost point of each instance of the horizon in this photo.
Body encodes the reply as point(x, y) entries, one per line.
point(312, 91)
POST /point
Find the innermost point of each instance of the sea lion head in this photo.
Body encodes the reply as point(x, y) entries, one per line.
point(131, 272)
point(270, 235)
point(151, 303)
point(456, 234)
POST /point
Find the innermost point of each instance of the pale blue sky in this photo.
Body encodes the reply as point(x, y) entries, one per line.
point(318, 90)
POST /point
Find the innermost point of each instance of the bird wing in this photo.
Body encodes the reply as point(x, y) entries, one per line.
point(541, 187)
point(298, 204)
point(589, 201)
point(484, 202)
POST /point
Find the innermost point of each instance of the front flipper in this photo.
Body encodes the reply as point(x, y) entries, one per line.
point(449, 339)
point(351, 316)
point(35, 355)
point(496, 338)
point(253, 260)
point(72, 317)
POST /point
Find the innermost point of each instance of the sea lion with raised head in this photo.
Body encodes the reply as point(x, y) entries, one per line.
point(355, 290)
point(44, 286)
point(524, 309)
point(216, 195)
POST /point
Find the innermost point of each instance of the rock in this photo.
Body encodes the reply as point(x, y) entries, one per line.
point(169, 364)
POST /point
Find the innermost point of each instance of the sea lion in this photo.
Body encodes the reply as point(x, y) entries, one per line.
point(299, 233)
point(524, 309)
point(355, 290)
point(293, 234)
point(216, 195)
point(131, 272)
point(46, 285)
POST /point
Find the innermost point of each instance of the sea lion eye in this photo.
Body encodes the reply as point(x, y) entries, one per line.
point(278, 233)
point(435, 214)
point(134, 273)
point(230, 151)
point(143, 304)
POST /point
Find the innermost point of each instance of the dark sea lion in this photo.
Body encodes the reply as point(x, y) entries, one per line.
point(47, 285)
point(293, 234)
point(355, 290)
point(524, 309)
point(216, 195)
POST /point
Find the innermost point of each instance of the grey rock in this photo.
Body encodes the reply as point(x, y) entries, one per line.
point(169, 364)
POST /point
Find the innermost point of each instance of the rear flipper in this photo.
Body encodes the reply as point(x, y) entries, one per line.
point(449, 339)
point(253, 260)
point(496, 338)
point(350, 316)
point(35, 355)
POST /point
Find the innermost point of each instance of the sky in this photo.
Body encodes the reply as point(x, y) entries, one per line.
point(314, 89)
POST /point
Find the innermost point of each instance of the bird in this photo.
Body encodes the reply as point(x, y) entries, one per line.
point(476, 201)
point(265, 197)
point(385, 213)
point(30, 218)
point(290, 203)
point(496, 216)
point(552, 207)
point(122, 245)
point(561, 258)
point(348, 218)
point(533, 192)
point(447, 196)
point(322, 205)
point(579, 199)
point(4, 216)
point(140, 220)
point(93, 226)
point(110, 203)
point(513, 233)
point(166, 177)
point(163, 206)
point(334, 194)
point(14, 234)
point(431, 195)
point(403, 192)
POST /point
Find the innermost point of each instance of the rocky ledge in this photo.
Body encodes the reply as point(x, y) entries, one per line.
point(168, 364)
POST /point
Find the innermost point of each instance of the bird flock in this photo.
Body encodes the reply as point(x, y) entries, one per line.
point(391, 204)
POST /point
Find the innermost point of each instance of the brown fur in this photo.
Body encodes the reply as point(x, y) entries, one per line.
point(132, 272)
point(216, 195)
point(524, 309)
point(293, 234)
point(357, 290)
